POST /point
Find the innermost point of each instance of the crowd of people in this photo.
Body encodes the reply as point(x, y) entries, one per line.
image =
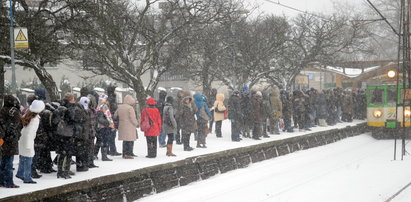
point(86, 126)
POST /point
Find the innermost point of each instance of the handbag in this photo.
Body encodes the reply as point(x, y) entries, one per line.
point(146, 123)
point(218, 111)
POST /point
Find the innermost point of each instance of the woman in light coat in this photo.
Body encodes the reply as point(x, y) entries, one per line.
point(127, 125)
point(219, 109)
point(169, 124)
point(31, 121)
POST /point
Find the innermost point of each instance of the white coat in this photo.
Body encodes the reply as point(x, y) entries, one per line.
point(28, 133)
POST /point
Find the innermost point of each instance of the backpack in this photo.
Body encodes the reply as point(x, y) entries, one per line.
point(63, 128)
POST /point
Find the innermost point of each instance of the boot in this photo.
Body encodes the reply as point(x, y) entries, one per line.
point(178, 140)
point(170, 150)
point(96, 149)
point(90, 162)
point(104, 154)
point(61, 166)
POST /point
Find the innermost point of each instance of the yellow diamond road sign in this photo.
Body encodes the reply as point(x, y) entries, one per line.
point(21, 38)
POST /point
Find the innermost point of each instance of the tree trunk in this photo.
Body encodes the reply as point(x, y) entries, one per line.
point(141, 93)
point(47, 80)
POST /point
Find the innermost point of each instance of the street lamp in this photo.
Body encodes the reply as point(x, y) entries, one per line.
point(13, 66)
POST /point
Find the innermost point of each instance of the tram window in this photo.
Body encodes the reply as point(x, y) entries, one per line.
point(407, 95)
point(377, 97)
point(392, 95)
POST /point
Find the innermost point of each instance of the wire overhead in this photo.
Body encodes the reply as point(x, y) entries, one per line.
point(296, 9)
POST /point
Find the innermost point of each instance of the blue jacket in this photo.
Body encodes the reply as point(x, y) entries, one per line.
point(199, 100)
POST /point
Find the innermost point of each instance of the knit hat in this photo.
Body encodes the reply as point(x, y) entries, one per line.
point(85, 101)
point(170, 99)
point(103, 97)
point(259, 94)
point(37, 106)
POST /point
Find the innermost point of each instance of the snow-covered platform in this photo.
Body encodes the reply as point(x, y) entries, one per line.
point(132, 179)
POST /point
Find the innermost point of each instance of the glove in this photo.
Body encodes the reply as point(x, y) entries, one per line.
point(1, 142)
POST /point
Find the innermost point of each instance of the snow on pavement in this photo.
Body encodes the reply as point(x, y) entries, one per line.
point(356, 169)
point(119, 165)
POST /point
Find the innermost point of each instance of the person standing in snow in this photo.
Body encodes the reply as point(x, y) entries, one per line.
point(105, 127)
point(169, 124)
point(30, 121)
point(211, 101)
point(219, 110)
point(127, 124)
point(257, 114)
point(152, 115)
point(203, 116)
point(160, 106)
point(11, 123)
point(186, 116)
point(277, 107)
point(112, 105)
point(235, 115)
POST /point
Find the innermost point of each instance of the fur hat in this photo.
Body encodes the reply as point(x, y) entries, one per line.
point(259, 94)
point(103, 97)
point(37, 106)
point(85, 101)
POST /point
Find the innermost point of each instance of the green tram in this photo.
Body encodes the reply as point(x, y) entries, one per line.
point(381, 110)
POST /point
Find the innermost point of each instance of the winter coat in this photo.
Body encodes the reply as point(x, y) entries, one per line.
point(347, 104)
point(276, 104)
point(45, 129)
point(268, 110)
point(257, 109)
point(127, 120)
point(169, 122)
point(10, 120)
point(219, 106)
point(151, 112)
point(235, 110)
point(212, 98)
point(104, 110)
point(75, 117)
point(203, 113)
point(90, 124)
point(161, 101)
point(245, 106)
point(186, 116)
point(28, 133)
point(322, 112)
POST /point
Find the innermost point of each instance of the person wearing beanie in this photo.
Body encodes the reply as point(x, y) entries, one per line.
point(203, 116)
point(112, 104)
point(105, 125)
point(150, 124)
point(10, 120)
point(30, 121)
point(127, 124)
point(160, 106)
point(169, 124)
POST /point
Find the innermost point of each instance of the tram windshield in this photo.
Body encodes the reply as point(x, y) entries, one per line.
point(377, 97)
point(391, 95)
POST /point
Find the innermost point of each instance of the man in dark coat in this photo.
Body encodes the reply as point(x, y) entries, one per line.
point(10, 121)
point(160, 106)
point(235, 115)
point(246, 122)
point(210, 102)
point(112, 104)
point(43, 142)
point(186, 116)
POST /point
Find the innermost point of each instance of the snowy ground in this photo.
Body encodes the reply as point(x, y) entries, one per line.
point(120, 165)
point(357, 169)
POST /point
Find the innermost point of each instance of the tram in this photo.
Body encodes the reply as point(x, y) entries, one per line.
point(386, 114)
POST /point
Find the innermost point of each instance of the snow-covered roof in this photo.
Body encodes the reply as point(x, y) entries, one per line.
point(349, 72)
point(176, 88)
point(27, 90)
point(76, 89)
point(99, 90)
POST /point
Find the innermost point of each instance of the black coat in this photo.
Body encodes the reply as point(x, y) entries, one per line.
point(11, 123)
point(234, 108)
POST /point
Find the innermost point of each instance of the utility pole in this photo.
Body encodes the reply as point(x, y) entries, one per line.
point(13, 66)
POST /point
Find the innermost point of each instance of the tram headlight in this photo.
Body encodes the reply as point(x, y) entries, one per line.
point(407, 113)
point(377, 113)
point(391, 74)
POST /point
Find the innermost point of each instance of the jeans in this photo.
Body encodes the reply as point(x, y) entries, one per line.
point(6, 171)
point(162, 138)
point(24, 169)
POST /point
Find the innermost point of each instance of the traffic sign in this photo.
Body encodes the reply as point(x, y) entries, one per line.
point(21, 38)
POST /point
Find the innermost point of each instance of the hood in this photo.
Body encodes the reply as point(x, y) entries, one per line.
point(84, 91)
point(275, 92)
point(111, 90)
point(170, 100)
point(40, 93)
point(162, 95)
point(220, 97)
point(151, 101)
point(11, 101)
point(128, 99)
point(85, 101)
point(198, 98)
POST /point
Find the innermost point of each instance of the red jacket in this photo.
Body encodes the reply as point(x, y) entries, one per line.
point(155, 117)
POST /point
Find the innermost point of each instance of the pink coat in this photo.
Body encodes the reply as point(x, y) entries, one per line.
point(155, 117)
point(127, 125)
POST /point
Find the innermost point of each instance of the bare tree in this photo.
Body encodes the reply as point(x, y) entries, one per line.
point(44, 23)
